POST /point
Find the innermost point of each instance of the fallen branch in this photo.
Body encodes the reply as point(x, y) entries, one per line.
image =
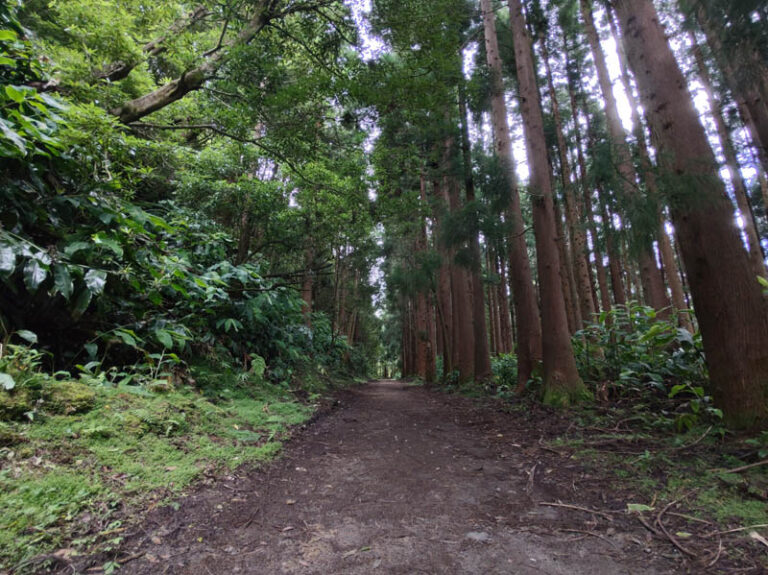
point(738, 529)
point(671, 537)
point(577, 508)
point(742, 468)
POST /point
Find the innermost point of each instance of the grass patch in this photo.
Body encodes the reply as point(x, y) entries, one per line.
point(66, 477)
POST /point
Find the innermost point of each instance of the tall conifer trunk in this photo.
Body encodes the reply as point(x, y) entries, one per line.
point(529, 337)
point(562, 384)
point(730, 307)
point(480, 329)
point(648, 175)
point(573, 211)
point(653, 284)
point(756, 254)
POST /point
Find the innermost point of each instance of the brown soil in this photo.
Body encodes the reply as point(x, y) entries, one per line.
point(401, 479)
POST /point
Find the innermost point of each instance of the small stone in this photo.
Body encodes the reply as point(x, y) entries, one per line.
point(479, 536)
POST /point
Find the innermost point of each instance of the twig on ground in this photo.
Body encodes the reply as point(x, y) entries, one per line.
point(529, 486)
point(689, 517)
point(738, 529)
point(719, 552)
point(671, 537)
point(592, 533)
point(647, 525)
point(742, 468)
point(577, 508)
point(130, 558)
point(699, 440)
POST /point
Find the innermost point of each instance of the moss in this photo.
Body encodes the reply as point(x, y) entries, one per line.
point(15, 405)
point(565, 396)
point(68, 397)
point(132, 446)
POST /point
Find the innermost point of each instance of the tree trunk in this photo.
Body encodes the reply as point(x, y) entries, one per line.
point(589, 215)
point(480, 330)
point(673, 278)
point(529, 336)
point(444, 297)
point(730, 307)
point(570, 297)
point(756, 256)
point(614, 258)
point(579, 253)
point(308, 282)
point(426, 347)
point(653, 284)
point(562, 384)
point(463, 328)
point(507, 343)
point(194, 78)
point(120, 70)
point(749, 94)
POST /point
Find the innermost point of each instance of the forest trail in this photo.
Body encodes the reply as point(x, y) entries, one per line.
point(400, 479)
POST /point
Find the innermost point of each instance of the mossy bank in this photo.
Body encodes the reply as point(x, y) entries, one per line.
point(79, 461)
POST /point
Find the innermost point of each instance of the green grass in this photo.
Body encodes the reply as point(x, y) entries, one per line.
point(134, 448)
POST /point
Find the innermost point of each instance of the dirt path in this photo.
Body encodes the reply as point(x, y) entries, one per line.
point(397, 480)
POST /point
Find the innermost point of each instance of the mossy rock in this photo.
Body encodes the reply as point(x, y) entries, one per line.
point(15, 405)
point(68, 397)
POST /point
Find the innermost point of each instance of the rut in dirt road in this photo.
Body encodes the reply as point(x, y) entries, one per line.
point(397, 479)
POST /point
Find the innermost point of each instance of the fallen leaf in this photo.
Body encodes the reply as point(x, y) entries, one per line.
point(638, 508)
point(156, 540)
point(290, 501)
point(757, 537)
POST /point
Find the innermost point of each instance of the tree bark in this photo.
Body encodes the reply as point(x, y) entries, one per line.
point(562, 384)
point(120, 70)
point(529, 336)
point(570, 297)
point(730, 307)
point(653, 284)
point(752, 94)
point(194, 78)
point(669, 264)
point(480, 329)
point(579, 252)
point(756, 255)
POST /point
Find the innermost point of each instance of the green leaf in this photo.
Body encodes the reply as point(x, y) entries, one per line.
point(7, 382)
point(5, 61)
point(126, 337)
point(8, 35)
point(15, 93)
point(109, 243)
point(75, 247)
point(82, 302)
point(35, 273)
point(14, 137)
point(62, 281)
point(677, 389)
point(96, 280)
point(92, 349)
point(27, 335)
point(164, 337)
